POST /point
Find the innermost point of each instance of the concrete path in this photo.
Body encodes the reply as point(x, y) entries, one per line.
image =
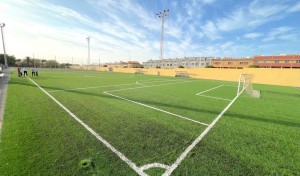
point(3, 92)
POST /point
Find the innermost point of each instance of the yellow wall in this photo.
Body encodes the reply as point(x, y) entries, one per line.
point(284, 77)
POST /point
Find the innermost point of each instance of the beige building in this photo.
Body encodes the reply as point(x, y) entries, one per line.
point(186, 62)
point(232, 62)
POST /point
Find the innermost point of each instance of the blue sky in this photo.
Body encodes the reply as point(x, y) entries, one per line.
point(123, 30)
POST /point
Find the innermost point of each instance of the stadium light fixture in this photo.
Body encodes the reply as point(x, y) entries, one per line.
point(162, 16)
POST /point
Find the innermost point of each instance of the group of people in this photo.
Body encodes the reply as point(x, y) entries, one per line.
point(23, 71)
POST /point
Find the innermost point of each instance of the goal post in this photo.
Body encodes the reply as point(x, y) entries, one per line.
point(245, 83)
point(181, 74)
point(138, 71)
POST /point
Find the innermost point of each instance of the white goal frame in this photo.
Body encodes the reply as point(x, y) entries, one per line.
point(245, 83)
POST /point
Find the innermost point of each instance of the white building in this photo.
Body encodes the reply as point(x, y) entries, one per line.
point(186, 62)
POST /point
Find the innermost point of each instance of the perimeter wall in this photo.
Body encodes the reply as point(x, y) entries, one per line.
point(273, 76)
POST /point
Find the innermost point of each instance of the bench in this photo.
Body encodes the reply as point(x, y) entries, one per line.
point(2, 75)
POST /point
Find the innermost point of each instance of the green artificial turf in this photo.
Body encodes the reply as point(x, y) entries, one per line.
point(254, 137)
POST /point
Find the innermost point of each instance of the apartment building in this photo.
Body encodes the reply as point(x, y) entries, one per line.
point(232, 62)
point(278, 61)
point(186, 62)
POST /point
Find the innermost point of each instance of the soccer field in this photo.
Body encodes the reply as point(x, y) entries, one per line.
point(132, 124)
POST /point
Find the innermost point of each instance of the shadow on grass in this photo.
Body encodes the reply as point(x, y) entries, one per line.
point(262, 119)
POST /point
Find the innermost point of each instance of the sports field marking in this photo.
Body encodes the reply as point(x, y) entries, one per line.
point(95, 87)
point(82, 88)
point(154, 165)
point(140, 84)
point(167, 112)
point(215, 97)
point(199, 138)
point(149, 86)
point(200, 93)
point(209, 89)
point(140, 170)
point(107, 144)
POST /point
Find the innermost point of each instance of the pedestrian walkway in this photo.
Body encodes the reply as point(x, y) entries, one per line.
point(3, 91)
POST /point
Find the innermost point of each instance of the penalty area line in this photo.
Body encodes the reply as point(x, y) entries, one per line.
point(107, 144)
point(199, 138)
point(151, 107)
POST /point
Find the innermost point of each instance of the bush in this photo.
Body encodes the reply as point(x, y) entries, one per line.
point(253, 66)
point(209, 66)
point(157, 67)
point(104, 65)
point(180, 66)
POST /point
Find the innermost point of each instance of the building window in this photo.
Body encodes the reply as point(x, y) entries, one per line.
point(297, 61)
point(198, 63)
point(241, 63)
point(257, 61)
point(170, 64)
point(229, 63)
point(217, 63)
point(167, 64)
point(287, 61)
point(192, 63)
point(202, 64)
point(246, 63)
point(276, 61)
point(266, 61)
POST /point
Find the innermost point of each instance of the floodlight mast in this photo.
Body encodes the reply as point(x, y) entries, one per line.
point(162, 15)
point(88, 60)
point(2, 25)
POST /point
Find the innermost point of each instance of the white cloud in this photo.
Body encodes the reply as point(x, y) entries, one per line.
point(252, 35)
point(295, 8)
point(210, 30)
point(282, 33)
point(257, 14)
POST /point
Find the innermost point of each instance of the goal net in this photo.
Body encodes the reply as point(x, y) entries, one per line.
point(245, 83)
point(138, 71)
point(181, 74)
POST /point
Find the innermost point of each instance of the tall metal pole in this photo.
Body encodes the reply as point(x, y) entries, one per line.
point(88, 60)
point(2, 25)
point(162, 16)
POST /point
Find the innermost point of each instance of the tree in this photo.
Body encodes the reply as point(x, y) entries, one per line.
point(43, 61)
point(11, 60)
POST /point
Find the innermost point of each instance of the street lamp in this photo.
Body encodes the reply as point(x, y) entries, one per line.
point(2, 25)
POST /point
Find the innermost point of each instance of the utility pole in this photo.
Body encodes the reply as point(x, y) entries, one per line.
point(33, 60)
point(2, 25)
point(88, 60)
point(162, 15)
point(201, 55)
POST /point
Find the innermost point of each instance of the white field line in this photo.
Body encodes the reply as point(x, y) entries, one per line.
point(95, 87)
point(82, 88)
point(159, 80)
point(199, 138)
point(167, 112)
point(215, 97)
point(209, 90)
point(154, 165)
point(148, 86)
point(140, 84)
point(108, 145)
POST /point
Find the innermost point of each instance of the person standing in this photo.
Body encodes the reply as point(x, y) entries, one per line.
point(25, 71)
point(32, 71)
point(19, 71)
point(36, 71)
